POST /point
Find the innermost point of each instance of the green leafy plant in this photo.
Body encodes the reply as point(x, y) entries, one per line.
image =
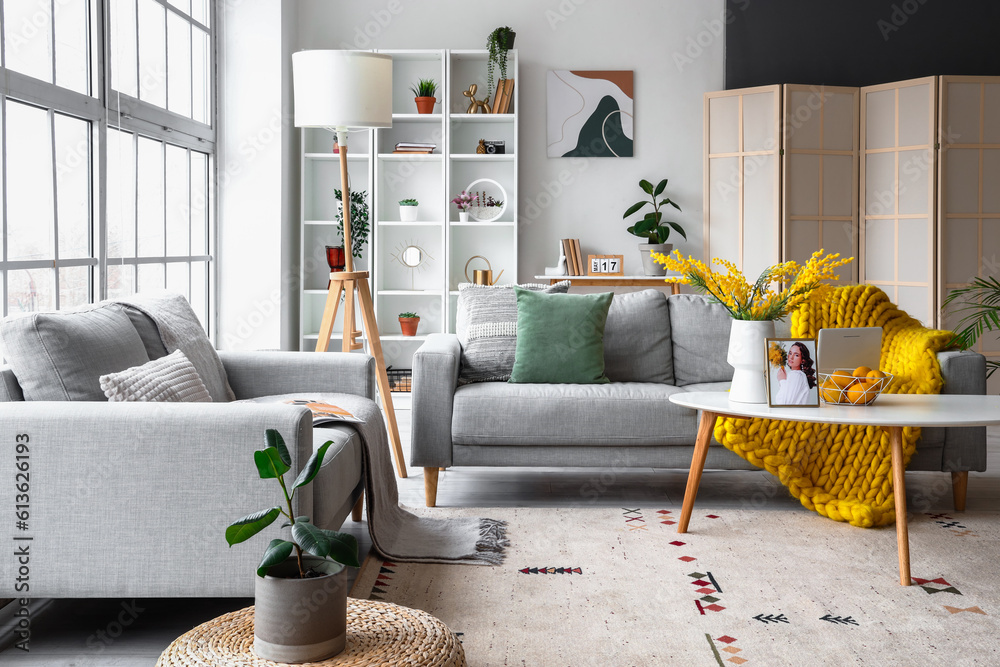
point(424, 88)
point(408, 315)
point(979, 303)
point(652, 226)
point(272, 463)
point(409, 202)
point(498, 43)
point(359, 220)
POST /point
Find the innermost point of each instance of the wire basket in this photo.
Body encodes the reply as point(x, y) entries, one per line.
point(855, 391)
point(399, 379)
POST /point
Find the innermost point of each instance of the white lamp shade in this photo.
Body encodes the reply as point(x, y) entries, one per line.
point(335, 88)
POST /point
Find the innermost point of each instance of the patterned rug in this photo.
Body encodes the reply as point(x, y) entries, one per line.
point(610, 587)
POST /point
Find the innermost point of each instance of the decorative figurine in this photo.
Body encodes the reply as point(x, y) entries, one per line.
point(475, 105)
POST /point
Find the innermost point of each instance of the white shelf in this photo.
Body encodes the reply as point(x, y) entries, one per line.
point(415, 157)
point(476, 223)
point(409, 292)
point(315, 291)
point(419, 117)
point(418, 337)
point(475, 157)
point(351, 157)
point(482, 117)
point(416, 223)
point(338, 335)
point(319, 222)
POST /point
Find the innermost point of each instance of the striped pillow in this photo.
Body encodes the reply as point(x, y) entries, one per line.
point(486, 324)
point(169, 379)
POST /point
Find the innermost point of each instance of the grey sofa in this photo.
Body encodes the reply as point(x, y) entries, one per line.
point(654, 346)
point(132, 499)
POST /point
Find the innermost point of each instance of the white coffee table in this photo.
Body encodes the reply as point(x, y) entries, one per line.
point(891, 411)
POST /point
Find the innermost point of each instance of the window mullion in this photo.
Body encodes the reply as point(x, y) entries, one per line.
point(52, 34)
point(3, 173)
point(99, 161)
point(55, 204)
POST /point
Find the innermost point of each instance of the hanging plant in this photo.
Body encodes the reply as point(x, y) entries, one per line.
point(359, 220)
point(498, 43)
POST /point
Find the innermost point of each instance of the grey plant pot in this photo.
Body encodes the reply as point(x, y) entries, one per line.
point(300, 620)
point(649, 267)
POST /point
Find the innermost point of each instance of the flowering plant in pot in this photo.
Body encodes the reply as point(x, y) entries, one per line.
point(423, 92)
point(463, 202)
point(408, 210)
point(652, 227)
point(314, 577)
point(778, 290)
point(408, 322)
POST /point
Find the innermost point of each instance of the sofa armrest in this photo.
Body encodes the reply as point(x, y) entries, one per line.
point(139, 494)
point(964, 372)
point(254, 374)
point(435, 377)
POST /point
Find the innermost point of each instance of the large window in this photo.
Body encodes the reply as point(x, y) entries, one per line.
point(107, 138)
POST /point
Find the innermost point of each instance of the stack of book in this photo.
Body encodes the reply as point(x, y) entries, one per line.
point(574, 258)
point(414, 148)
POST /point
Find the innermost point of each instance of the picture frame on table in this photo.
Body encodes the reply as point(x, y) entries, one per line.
point(791, 366)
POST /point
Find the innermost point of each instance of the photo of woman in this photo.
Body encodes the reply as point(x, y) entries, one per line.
point(792, 376)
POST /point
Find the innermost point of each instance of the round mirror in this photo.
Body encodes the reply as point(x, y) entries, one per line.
point(412, 256)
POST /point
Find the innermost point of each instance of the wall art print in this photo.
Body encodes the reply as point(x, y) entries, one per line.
point(590, 113)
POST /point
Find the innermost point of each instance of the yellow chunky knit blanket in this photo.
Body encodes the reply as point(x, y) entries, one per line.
point(845, 472)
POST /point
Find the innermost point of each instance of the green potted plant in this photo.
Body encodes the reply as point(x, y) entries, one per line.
point(653, 228)
point(359, 228)
point(498, 43)
point(408, 210)
point(979, 305)
point(423, 92)
point(314, 576)
point(408, 322)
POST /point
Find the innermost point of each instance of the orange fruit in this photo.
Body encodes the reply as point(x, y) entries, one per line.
point(875, 375)
point(842, 380)
point(860, 394)
point(829, 391)
point(862, 371)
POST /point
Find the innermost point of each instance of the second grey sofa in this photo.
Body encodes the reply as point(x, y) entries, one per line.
point(654, 346)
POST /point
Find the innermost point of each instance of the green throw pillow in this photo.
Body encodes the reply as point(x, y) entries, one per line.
point(560, 337)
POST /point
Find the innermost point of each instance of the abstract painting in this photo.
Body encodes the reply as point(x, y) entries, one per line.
point(590, 113)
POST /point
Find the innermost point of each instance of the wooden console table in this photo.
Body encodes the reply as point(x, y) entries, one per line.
point(618, 281)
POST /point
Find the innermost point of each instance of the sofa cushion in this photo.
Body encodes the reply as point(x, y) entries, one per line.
point(486, 324)
point(339, 475)
point(699, 330)
point(169, 379)
point(619, 413)
point(637, 344)
point(60, 356)
point(148, 332)
point(560, 337)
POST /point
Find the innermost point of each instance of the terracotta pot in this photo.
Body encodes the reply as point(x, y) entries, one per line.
point(300, 620)
point(425, 104)
point(409, 325)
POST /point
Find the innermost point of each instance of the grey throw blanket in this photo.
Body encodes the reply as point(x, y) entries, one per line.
point(396, 534)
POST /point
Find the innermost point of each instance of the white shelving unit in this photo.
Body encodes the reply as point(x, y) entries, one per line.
point(433, 180)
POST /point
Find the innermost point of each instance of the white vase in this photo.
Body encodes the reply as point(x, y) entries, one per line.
point(747, 356)
point(463, 216)
point(408, 213)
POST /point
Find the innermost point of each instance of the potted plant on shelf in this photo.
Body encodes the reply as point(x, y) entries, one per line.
point(408, 322)
point(462, 202)
point(486, 207)
point(653, 228)
point(423, 92)
point(408, 210)
point(287, 581)
point(498, 43)
point(335, 256)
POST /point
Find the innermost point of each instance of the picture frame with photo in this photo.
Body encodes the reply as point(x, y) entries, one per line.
point(791, 366)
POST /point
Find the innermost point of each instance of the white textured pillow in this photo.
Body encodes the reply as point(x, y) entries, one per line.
point(169, 379)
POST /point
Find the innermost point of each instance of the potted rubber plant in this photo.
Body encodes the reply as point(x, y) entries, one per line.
point(408, 322)
point(307, 571)
point(408, 210)
point(423, 92)
point(498, 43)
point(652, 227)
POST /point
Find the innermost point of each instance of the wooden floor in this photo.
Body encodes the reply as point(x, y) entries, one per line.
point(86, 633)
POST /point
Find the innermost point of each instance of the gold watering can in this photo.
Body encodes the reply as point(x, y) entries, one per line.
point(479, 276)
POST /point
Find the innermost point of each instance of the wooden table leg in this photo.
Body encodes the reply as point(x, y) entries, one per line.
point(899, 491)
point(697, 465)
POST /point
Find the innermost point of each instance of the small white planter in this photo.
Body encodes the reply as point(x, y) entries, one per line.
point(463, 216)
point(408, 213)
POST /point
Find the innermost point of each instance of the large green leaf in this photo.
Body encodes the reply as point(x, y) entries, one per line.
point(343, 547)
point(297, 519)
point(269, 463)
point(277, 552)
point(311, 539)
point(312, 466)
point(634, 207)
point(275, 440)
point(646, 186)
point(659, 187)
point(248, 526)
point(678, 229)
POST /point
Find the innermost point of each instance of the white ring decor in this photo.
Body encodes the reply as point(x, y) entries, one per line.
point(486, 213)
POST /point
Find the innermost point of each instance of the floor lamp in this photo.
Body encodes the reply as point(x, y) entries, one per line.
point(338, 91)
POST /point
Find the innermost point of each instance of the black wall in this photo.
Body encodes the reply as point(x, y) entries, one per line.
point(858, 42)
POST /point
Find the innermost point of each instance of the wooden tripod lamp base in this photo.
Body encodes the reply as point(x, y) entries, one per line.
point(354, 285)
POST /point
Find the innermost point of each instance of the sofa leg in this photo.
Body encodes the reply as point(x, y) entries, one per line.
point(430, 486)
point(358, 506)
point(959, 485)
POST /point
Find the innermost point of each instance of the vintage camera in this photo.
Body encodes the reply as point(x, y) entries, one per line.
point(495, 147)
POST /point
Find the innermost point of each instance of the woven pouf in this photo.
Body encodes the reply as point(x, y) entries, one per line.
point(379, 634)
